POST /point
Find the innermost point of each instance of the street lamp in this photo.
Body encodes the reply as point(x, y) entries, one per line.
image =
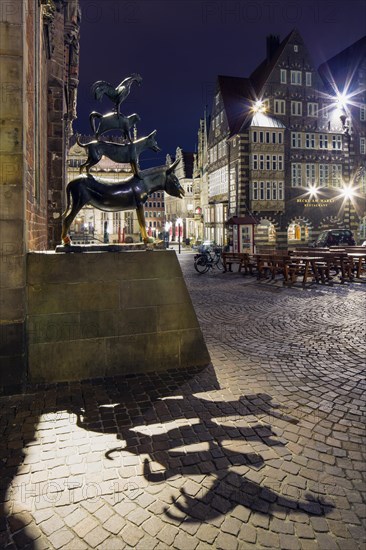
point(179, 223)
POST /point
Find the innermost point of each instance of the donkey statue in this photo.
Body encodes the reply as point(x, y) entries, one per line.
point(118, 152)
point(112, 197)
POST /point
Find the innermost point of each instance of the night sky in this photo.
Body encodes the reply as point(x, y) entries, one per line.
point(180, 46)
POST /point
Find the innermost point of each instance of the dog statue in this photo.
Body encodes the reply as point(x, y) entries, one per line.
point(113, 121)
point(118, 152)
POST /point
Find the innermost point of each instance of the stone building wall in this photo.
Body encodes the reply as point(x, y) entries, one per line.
point(31, 33)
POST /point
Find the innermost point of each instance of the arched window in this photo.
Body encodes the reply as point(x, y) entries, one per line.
point(294, 232)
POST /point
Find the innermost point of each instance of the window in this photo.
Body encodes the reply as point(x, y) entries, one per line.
point(261, 162)
point(255, 162)
point(323, 141)
point(261, 137)
point(283, 76)
point(323, 175)
point(280, 162)
point(280, 190)
point(337, 142)
point(280, 137)
point(296, 108)
point(274, 137)
point(308, 79)
point(280, 106)
point(312, 109)
point(296, 140)
point(268, 139)
point(296, 48)
point(261, 191)
point(310, 174)
point(296, 78)
point(310, 141)
point(362, 146)
point(274, 162)
point(296, 177)
point(254, 137)
point(268, 190)
point(336, 175)
point(363, 112)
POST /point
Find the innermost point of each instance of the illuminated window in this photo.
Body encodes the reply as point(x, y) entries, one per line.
point(296, 174)
point(296, 48)
point(323, 174)
point(294, 232)
point(308, 79)
point(336, 175)
point(363, 112)
point(310, 174)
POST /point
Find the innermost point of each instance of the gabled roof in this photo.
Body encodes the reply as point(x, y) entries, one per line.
point(265, 121)
point(237, 94)
point(262, 72)
point(341, 68)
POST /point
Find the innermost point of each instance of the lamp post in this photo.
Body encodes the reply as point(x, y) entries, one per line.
point(347, 193)
point(179, 223)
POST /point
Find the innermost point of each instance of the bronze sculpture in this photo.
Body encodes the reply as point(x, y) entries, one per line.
point(118, 94)
point(113, 121)
point(112, 197)
point(131, 193)
point(118, 152)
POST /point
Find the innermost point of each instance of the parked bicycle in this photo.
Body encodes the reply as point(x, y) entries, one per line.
point(209, 259)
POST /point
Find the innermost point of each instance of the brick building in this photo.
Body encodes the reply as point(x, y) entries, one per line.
point(39, 66)
point(281, 151)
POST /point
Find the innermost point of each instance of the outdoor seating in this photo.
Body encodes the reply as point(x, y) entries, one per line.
point(242, 259)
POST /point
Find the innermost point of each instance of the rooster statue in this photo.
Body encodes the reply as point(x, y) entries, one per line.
point(118, 94)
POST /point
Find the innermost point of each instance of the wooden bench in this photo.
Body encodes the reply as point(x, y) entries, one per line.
point(242, 259)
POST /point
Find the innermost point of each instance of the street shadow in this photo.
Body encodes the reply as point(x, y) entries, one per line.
point(181, 423)
point(218, 439)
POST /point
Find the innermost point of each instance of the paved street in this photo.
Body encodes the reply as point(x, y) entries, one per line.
point(262, 449)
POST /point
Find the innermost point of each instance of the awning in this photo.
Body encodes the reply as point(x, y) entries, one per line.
point(245, 220)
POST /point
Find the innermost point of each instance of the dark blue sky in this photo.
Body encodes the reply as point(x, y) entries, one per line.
point(179, 46)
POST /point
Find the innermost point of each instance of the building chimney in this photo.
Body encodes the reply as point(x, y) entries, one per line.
point(273, 42)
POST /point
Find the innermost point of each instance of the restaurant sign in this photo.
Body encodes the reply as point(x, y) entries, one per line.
point(315, 202)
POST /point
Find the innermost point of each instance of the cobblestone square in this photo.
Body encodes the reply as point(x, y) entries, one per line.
point(261, 449)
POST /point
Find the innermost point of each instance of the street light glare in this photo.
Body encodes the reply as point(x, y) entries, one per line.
point(342, 100)
point(347, 192)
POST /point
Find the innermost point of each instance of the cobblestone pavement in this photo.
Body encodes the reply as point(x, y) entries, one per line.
point(262, 449)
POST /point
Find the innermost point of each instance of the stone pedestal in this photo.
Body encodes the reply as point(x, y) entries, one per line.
point(104, 314)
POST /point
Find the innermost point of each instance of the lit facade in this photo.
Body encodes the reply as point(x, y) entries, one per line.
point(282, 149)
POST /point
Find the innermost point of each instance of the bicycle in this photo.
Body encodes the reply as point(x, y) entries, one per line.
point(206, 260)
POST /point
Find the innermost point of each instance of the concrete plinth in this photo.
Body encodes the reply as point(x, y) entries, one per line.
point(105, 314)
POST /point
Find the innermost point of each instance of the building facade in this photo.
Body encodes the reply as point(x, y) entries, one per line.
point(181, 209)
point(283, 149)
point(39, 60)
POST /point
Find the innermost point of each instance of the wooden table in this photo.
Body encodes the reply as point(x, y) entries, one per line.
point(357, 258)
point(294, 263)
